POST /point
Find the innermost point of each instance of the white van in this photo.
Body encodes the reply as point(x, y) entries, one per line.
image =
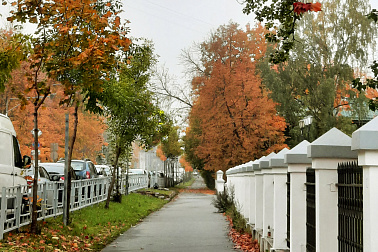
point(11, 162)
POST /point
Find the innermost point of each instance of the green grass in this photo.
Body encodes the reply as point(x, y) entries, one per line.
point(91, 227)
point(185, 184)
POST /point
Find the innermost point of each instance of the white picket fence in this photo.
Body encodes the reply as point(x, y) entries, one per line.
point(15, 202)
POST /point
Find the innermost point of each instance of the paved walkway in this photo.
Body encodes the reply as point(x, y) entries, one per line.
point(187, 224)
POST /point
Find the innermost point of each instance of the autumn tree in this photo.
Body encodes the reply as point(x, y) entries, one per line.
point(238, 121)
point(76, 42)
point(51, 117)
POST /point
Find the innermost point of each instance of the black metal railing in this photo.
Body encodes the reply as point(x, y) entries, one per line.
point(350, 204)
point(310, 213)
point(288, 212)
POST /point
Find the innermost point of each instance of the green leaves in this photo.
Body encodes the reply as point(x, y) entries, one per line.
point(129, 105)
point(272, 13)
point(13, 49)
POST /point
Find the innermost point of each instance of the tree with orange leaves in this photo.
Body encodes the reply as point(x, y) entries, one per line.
point(237, 121)
point(77, 44)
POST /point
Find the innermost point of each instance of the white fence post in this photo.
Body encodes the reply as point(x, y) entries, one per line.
point(298, 162)
point(327, 152)
point(258, 200)
point(251, 189)
point(267, 196)
point(279, 172)
point(365, 141)
point(219, 182)
point(245, 192)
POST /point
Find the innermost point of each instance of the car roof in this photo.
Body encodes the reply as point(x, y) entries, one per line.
point(137, 171)
point(53, 167)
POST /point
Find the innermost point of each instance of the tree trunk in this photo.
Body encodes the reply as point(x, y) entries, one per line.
point(69, 178)
point(110, 190)
point(127, 172)
point(34, 224)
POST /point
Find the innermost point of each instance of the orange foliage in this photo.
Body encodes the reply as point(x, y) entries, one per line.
point(371, 93)
point(201, 190)
point(300, 7)
point(185, 164)
point(238, 120)
point(160, 153)
point(51, 121)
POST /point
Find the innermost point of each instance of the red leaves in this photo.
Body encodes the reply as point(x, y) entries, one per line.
point(300, 7)
point(203, 191)
point(242, 241)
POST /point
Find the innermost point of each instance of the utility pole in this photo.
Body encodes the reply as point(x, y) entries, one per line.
point(66, 207)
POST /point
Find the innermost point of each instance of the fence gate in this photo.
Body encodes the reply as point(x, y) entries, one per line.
point(350, 204)
point(288, 211)
point(310, 214)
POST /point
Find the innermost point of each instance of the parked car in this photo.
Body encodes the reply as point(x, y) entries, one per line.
point(43, 175)
point(103, 170)
point(138, 171)
point(56, 171)
point(84, 169)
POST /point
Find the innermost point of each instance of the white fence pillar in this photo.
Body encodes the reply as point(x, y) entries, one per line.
point(365, 141)
point(327, 152)
point(246, 192)
point(279, 172)
point(219, 182)
point(238, 188)
point(252, 201)
point(298, 162)
point(258, 199)
point(267, 195)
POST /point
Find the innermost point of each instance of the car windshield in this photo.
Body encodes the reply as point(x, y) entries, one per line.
point(77, 166)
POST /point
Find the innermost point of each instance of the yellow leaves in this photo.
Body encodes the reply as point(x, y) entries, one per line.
point(14, 3)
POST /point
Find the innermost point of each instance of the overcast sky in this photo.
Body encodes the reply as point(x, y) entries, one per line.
point(174, 25)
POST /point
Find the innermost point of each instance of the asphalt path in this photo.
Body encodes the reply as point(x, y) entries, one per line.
point(189, 223)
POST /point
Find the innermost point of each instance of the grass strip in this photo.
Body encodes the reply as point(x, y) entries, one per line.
point(91, 228)
point(186, 184)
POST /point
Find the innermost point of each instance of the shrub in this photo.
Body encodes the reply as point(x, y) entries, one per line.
point(223, 201)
